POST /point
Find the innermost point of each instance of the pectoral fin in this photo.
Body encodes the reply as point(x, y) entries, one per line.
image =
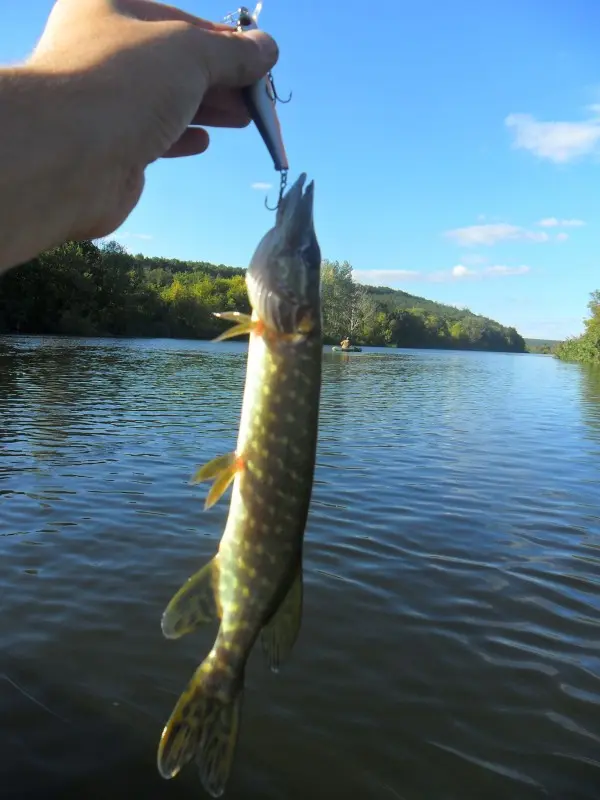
point(279, 635)
point(194, 604)
point(243, 324)
point(221, 470)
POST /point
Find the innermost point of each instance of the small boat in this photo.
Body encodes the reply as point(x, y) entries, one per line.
point(352, 349)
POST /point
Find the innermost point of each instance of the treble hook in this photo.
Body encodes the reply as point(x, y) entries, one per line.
point(276, 96)
point(282, 185)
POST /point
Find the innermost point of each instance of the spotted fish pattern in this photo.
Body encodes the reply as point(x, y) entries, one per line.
point(253, 585)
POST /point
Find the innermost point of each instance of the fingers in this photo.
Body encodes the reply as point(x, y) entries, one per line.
point(150, 11)
point(219, 118)
point(229, 58)
point(222, 107)
point(236, 59)
point(192, 142)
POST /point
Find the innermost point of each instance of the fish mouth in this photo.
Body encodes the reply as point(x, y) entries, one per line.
point(283, 278)
point(295, 212)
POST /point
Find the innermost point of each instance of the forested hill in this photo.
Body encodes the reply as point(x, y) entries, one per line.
point(542, 346)
point(448, 324)
point(397, 300)
point(90, 290)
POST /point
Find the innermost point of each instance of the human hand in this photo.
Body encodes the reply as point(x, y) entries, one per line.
point(138, 74)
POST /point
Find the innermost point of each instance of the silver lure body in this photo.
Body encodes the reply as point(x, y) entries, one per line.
point(260, 100)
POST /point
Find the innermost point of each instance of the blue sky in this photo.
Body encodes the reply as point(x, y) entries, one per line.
point(454, 147)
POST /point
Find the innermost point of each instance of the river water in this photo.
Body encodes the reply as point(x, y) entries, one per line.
point(450, 646)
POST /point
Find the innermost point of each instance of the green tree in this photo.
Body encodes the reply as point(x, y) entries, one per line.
point(337, 294)
point(89, 289)
point(585, 348)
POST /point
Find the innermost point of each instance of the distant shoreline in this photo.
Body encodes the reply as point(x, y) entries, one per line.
point(244, 340)
point(80, 289)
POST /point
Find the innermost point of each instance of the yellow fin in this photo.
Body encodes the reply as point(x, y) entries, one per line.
point(244, 324)
point(219, 487)
point(279, 635)
point(204, 728)
point(213, 468)
point(222, 470)
point(194, 604)
point(233, 316)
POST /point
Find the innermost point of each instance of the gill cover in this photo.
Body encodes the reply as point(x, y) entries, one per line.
point(283, 278)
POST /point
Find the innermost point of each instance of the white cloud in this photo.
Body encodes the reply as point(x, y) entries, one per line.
point(562, 237)
point(122, 238)
point(473, 259)
point(490, 234)
point(502, 270)
point(553, 222)
point(383, 277)
point(497, 270)
point(377, 277)
point(556, 141)
point(130, 235)
point(460, 271)
point(260, 186)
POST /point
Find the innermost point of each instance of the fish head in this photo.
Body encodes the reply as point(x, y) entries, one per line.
point(284, 276)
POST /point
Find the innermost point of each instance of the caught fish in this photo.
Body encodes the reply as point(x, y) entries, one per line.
point(253, 585)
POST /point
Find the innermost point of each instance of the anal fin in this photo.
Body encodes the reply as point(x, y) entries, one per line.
point(222, 471)
point(279, 635)
point(195, 604)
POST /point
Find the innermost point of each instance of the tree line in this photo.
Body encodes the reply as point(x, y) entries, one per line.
point(82, 288)
point(382, 316)
point(584, 348)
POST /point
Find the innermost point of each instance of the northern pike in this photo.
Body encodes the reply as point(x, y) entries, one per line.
point(253, 585)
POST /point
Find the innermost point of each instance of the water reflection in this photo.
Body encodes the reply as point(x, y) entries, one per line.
point(452, 598)
point(590, 398)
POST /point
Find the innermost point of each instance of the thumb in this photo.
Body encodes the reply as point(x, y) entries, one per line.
point(237, 59)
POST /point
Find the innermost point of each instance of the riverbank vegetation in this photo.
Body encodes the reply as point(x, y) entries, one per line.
point(585, 348)
point(544, 347)
point(90, 290)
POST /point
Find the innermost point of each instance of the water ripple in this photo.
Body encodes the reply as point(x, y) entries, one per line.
point(450, 645)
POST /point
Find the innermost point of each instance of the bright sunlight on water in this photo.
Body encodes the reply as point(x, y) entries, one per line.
point(450, 646)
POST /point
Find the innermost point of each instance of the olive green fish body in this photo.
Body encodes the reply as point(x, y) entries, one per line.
point(254, 583)
point(261, 548)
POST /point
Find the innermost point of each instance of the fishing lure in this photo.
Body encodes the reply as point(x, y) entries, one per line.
point(260, 100)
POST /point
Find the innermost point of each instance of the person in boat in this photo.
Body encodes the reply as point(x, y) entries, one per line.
point(345, 343)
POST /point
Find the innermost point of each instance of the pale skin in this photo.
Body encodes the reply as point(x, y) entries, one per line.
point(111, 86)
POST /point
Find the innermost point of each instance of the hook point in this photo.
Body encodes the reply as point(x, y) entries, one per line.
point(268, 207)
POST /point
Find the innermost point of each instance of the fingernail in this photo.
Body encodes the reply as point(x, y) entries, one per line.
point(266, 44)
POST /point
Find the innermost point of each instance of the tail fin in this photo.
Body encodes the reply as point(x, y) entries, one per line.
point(203, 727)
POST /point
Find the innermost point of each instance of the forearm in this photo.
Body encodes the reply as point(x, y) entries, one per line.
point(44, 158)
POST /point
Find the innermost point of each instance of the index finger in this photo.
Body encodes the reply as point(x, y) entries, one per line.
point(149, 11)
